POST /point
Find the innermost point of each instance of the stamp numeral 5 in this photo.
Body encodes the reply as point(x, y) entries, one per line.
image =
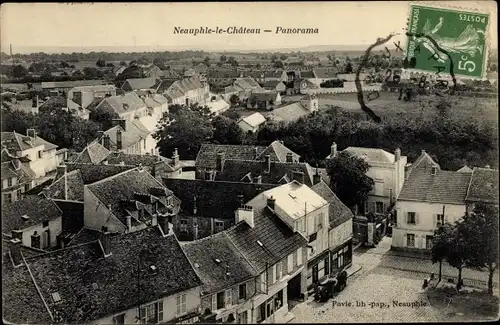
point(463, 65)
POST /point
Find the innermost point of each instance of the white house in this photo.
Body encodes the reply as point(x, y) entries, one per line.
point(252, 123)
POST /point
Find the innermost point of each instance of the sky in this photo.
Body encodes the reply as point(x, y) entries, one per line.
point(58, 27)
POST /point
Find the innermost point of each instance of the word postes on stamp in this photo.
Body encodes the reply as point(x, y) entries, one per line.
point(437, 36)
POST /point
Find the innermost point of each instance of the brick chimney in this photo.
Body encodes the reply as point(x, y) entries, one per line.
point(219, 165)
point(175, 157)
point(397, 155)
point(299, 176)
point(31, 133)
point(17, 234)
point(289, 157)
point(333, 150)
point(268, 163)
point(105, 239)
point(316, 176)
point(119, 143)
point(105, 142)
point(35, 240)
point(246, 213)
point(15, 252)
point(271, 203)
point(129, 222)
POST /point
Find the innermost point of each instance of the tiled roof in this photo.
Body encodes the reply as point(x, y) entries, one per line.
point(307, 74)
point(371, 154)
point(94, 153)
point(338, 212)
point(222, 73)
point(465, 169)
point(325, 73)
point(67, 187)
point(115, 190)
point(60, 102)
point(254, 120)
point(273, 74)
point(24, 173)
point(289, 112)
point(247, 83)
point(278, 240)
point(135, 132)
point(92, 286)
point(71, 84)
point(483, 186)
point(231, 269)
point(128, 159)
point(278, 152)
point(271, 84)
point(253, 74)
point(140, 83)
point(237, 171)
point(91, 173)
point(207, 156)
point(36, 208)
point(85, 235)
point(444, 187)
point(424, 161)
point(214, 199)
point(261, 96)
point(119, 104)
point(18, 142)
point(96, 88)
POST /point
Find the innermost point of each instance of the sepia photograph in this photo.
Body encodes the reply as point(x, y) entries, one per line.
point(249, 162)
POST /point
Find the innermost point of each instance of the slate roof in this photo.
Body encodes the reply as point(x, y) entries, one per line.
point(17, 142)
point(444, 187)
point(483, 186)
point(214, 199)
point(371, 154)
point(67, 187)
point(94, 153)
point(123, 280)
point(203, 254)
point(140, 83)
point(246, 170)
point(36, 208)
point(277, 238)
point(92, 173)
point(338, 212)
point(289, 112)
point(119, 104)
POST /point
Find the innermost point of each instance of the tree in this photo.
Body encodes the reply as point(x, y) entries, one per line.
point(64, 64)
point(226, 131)
point(110, 65)
point(283, 57)
point(92, 73)
point(481, 227)
point(103, 117)
point(184, 128)
point(19, 71)
point(235, 100)
point(207, 61)
point(348, 178)
point(100, 63)
point(274, 58)
point(278, 65)
point(143, 60)
point(440, 244)
point(348, 68)
point(223, 58)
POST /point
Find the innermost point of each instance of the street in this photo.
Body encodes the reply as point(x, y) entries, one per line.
point(387, 288)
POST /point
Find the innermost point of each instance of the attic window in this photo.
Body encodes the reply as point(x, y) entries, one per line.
point(125, 106)
point(95, 286)
point(56, 297)
point(260, 243)
point(217, 261)
point(25, 217)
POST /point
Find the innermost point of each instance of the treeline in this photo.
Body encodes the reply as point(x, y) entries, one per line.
point(107, 56)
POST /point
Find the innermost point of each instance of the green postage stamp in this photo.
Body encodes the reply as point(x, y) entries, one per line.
point(447, 41)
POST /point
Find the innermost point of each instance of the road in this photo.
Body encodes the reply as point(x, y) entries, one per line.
point(387, 289)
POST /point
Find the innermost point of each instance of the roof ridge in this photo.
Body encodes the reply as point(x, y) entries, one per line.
point(114, 176)
point(37, 287)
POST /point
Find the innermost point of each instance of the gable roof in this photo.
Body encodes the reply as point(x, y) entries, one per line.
point(17, 142)
point(128, 159)
point(338, 212)
point(135, 132)
point(278, 152)
point(264, 96)
point(247, 83)
point(127, 102)
point(231, 269)
point(289, 112)
point(483, 186)
point(272, 84)
point(207, 156)
point(278, 240)
point(465, 169)
point(273, 74)
point(371, 154)
point(214, 199)
point(254, 120)
point(36, 208)
point(94, 153)
point(444, 187)
point(237, 170)
point(122, 280)
point(424, 161)
point(325, 73)
point(8, 168)
point(67, 187)
point(91, 173)
point(140, 83)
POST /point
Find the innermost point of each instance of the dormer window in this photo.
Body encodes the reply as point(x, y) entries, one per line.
point(56, 298)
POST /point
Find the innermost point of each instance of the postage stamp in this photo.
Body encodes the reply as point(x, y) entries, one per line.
point(447, 41)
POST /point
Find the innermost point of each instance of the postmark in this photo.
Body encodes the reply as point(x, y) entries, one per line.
point(447, 41)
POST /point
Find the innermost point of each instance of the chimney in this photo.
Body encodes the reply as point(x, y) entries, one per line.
point(163, 223)
point(271, 203)
point(121, 122)
point(246, 213)
point(289, 157)
point(397, 155)
point(129, 222)
point(175, 157)
point(105, 142)
point(62, 170)
point(433, 170)
point(422, 152)
point(100, 136)
point(268, 163)
point(195, 207)
point(35, 105)
point(118, 139)
point(77, 97)
point(31, 133)
point(317, 176)
point(255, 153)
point(240, 199)
point(17, 234)
point(154, 220)
point(15, 252)
point(220, 162)
point(299, 176)
point(35, 240)
point(333, 150)
point(258, 179)
point(105, 239)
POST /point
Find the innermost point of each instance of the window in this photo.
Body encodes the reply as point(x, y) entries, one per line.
point(219, 225)
point(313, 237)
point(279, 271)
point(19, 193)
point(7, 198)
point(299, 256)
point(144, 142)
point(263, 286)
point(181, 304)
point(327, 266)
point(119, 319)
point(243, 291)
point(45, 224)
point(290, 263)
point(262, 313)
point(229, 298)
point(315, 273)
point(428, 242)
point(439, 220)
point(40, 154)
point(152, 313)
point(220, 300)
point(411, 218)
point(379, 207)
point(410, 240)
point(10, 181)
